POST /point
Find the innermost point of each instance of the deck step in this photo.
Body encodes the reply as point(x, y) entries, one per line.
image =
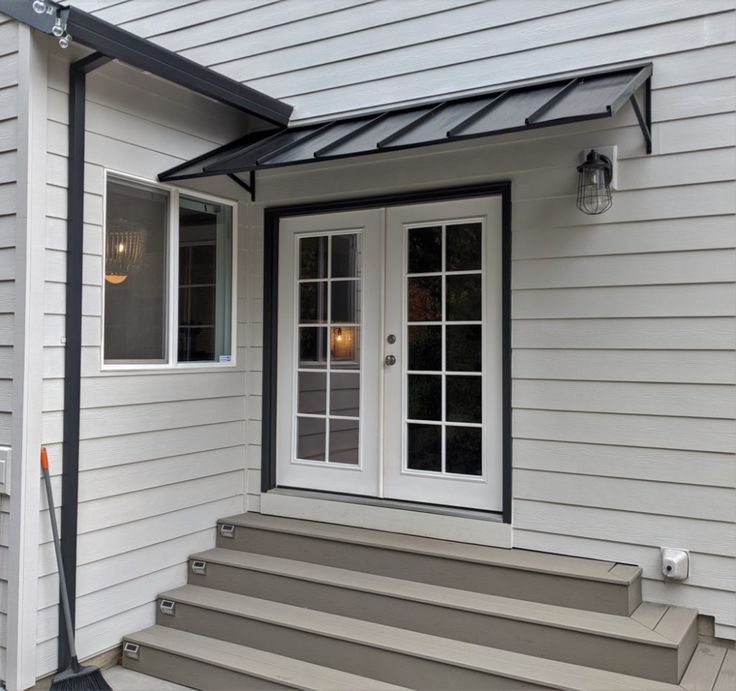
point(207, 663)
point(658, 647)
point(588, 584)
point(373, 650)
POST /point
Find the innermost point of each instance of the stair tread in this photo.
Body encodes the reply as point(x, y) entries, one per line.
point(493, 661)
point(258, 663)
point(596, 623)
point(573, 567)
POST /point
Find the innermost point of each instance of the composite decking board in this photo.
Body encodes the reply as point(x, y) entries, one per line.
point(239, 658)
point(586, 569)
point(704, 667)
point(491, 661)
point(726, 680)
point(649, 613)
point(595, 623)
point(671, 625)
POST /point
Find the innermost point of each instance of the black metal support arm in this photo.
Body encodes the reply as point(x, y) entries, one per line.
point(249, 186)
point(644, 120)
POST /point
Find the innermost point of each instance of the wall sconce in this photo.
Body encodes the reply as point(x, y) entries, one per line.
point(594, 184)
point(124, 246)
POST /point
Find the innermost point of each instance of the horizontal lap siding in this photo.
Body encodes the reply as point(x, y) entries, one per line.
point(623, 326)
point(9, 110)
point(162, 453)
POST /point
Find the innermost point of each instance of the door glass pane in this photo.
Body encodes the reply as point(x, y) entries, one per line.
point(424, 447)
point(313, 257)
point(311, 438)
point(135, 273)
point(345, 394)
point(425, 348)
point(345, 255)
point(425, 397)
point(425, 250)
point(345, 345)
point(312, 347)
point(463, 297)
point(313, 303)
point(425, 299)
point(463, 348)
point(344, 302)
point(312, 393)
point(463, 453)
point(464, 399)
point(344, 441)
point(464, 247)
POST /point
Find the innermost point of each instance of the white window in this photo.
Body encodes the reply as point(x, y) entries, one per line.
point(168, 286)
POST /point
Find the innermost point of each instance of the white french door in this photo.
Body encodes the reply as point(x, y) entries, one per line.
point(390, 355)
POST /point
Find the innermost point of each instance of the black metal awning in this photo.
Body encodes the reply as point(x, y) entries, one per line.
point(545, 103)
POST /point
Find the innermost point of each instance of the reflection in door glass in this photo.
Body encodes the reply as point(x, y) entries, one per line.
point(444, 334)
point(329, 294)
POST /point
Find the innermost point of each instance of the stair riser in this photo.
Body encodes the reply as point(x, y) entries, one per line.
point(384, 665)
point(195, 674)
point(524, 585)
point(649, 661)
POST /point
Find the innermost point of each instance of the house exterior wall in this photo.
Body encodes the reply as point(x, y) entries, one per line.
point(161, 451)
point(623, 326)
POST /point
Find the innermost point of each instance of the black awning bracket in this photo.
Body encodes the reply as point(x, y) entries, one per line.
point(645, 119)
point(249, 186)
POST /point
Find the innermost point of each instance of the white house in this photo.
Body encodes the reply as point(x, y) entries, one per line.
point(316, 269)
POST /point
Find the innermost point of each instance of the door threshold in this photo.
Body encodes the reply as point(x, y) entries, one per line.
point(389, 515)
point(458, 511)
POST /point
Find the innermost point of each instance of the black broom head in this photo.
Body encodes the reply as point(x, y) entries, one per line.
point(78, 678)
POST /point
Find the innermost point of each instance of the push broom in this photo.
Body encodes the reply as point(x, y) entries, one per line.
point(75, 677)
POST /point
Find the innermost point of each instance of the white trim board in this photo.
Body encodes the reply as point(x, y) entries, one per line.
point(393, 520)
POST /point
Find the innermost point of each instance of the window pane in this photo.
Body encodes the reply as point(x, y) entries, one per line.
point(135, 273)
point(463, 348)
point(464, 247)
point(313, 303)
point(464, 399)
point(344, 441)
point(313, 257)
point(425, 299)
point(345, 253)
point(425, 397)
point(464, 450)
point(424, 447)
point(345, 345)
point(345, 394)
point(313, 347)
point(344, 302)
point(463, 298)
point(311, 438)
point(205, 281)
point(312, 392)
point(425, 348)
point(425, 250)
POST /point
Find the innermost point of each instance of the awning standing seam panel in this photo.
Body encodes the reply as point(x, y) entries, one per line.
point(536, 104)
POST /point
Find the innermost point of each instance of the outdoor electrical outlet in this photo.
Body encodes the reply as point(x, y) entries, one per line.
point(675, 564)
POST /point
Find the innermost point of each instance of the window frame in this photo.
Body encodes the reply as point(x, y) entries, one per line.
point(172, 281)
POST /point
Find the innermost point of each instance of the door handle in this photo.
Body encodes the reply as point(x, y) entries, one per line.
point(390, 360)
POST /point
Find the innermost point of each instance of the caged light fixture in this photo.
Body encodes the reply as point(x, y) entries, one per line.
point(594, 184)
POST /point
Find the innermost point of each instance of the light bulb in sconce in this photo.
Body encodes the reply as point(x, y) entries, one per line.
point(338, 335)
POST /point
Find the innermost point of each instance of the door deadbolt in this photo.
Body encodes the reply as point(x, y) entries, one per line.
point(390, 360)
point(391, 339)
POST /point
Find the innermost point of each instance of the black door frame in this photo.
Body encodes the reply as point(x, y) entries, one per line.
point(272, 217)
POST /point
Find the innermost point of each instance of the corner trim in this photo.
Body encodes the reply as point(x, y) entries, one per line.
point(272, 217)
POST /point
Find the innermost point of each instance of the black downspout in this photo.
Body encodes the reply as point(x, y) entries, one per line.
point(73, 333)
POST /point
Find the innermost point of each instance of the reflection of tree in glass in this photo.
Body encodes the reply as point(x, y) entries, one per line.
point(464, 247)
point(425, 299)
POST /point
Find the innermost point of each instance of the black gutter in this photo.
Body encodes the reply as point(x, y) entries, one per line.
point(116, 43)
point(73, 332)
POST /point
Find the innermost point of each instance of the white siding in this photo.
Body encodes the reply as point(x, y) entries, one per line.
point(162, 453)
point(623, 325)
point(8, 145)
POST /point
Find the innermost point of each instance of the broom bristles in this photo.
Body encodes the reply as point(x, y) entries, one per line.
point(78, 678)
